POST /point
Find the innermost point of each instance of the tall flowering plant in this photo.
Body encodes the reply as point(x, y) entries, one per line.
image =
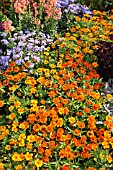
point(30, 14)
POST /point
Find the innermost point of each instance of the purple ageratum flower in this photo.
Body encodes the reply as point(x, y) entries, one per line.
point(26, 58)
point(36, 58)
point(31, 65)
point(5, 42)
point(19, 62)
point(26, 44)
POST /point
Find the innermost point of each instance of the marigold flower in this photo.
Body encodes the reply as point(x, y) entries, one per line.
point(91, 168)
point(28, 156)
point(1, 103)
point(16, 157)
point(17, 104)
point(72, 120)
point(19, 167)
point(21, 110)
point(109, 158)
point(8, 147)
point(109, 96)
point(38, 163)
point(1, 166)
point(12, 116)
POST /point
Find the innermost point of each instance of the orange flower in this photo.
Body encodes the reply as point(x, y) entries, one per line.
point(81, 97)
point(95, 106)
point(91, 168)
point(73, 29)
point(77, 132)
point(79, 113)
point(31, 118)
point(47, 152)
point(19, 167)
point(16, 69)
point(21, 110)
point(40, 149)
point(81, 124)
point(56, 101)
point(8, 147)
point(59, 122)
point(86, 110)
point(17, 104)
point(65, 167)
point(52, 94)
point(12, 64)
point(1, 166)
point(65, 101)
point(1, 103)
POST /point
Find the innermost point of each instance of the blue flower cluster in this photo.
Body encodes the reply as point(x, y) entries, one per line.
point(22, 47)
point(72, 7)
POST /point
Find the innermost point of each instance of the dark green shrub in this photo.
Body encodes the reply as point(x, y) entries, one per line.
point(105, 59)
point(102, 5)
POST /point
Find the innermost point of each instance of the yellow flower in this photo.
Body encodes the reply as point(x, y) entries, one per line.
point(22, 126)
point(34, 102)
point(109, 158)
point(46, 61)
point(105, 145)
point(109, 96)
point(19, 167)
point(52, 66)
point(39, 70)
point(1, 166)
point(94, 64)
point(28, 156)
point(11, 108)
point(101, 156)
point(31, 138)
point(8, 147)
point(14, 129)
point(109, 118)
point(16, 157)
point(96, 96)
point(48, 48)
point(32, 90)
point(46, 53)
point(11, 98)
point(72, 120)
point(61, 111)
point(21, 110)
point(22, 137)
point(21, 143)
point(38, 163)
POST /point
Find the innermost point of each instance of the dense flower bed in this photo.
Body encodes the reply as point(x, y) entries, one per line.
point(51, 102)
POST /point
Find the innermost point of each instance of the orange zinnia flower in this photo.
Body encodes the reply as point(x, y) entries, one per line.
point(51, 94)
point(91, 168)
point(95, 106)
point(81, 124)
point(86, 110)
point(1, 103)
point(77, 132)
